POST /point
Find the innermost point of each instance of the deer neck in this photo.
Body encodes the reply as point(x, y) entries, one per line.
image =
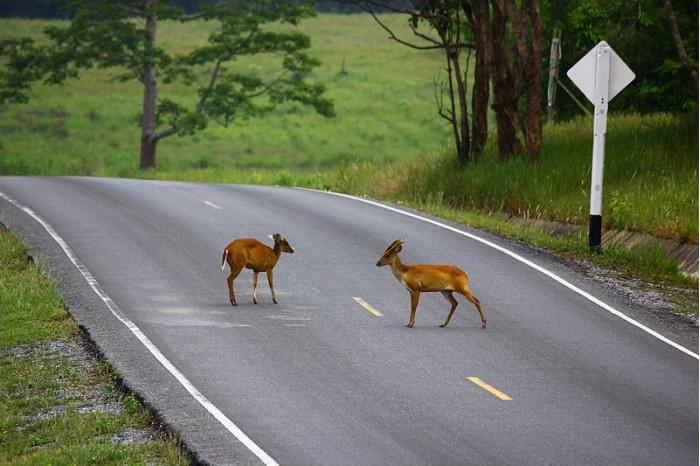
point(398, 268)
point(277, 250)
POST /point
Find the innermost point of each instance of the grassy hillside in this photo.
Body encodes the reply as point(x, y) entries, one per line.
point(384, 103)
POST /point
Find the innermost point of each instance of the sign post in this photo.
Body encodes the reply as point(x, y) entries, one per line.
point(600, 75)
point(554, 58)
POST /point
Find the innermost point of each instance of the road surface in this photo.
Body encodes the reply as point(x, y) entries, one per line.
point(320, 379)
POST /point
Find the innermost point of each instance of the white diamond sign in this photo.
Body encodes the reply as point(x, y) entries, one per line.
point(601, 75)
point(583, 73)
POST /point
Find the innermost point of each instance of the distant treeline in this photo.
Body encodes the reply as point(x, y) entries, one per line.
point(52, 9)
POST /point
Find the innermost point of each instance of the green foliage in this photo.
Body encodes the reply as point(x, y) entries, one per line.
point(115, 35)
point(638, 31)
point(650, 178)
point(131, 405)
point(30, 309)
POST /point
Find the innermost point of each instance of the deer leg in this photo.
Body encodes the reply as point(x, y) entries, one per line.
point(255, 287)
point(235, 270)
point(272, 288)
point(448, 296)
point(415, 295)
point(474, 300)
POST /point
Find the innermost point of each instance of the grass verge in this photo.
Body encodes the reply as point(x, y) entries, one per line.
point(649, 264)
point(58, 403)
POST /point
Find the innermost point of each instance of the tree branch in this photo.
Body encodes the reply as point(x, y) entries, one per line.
point(217, 69)
point(165, 133)
point(426, 37)
point(401, 41)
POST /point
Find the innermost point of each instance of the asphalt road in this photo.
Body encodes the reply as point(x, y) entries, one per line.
point(319, 380)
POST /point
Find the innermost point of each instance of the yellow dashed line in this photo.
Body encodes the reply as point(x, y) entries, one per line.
point(489, 388)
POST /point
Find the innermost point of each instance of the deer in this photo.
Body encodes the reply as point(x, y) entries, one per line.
point(252, 254)
point(420, 278)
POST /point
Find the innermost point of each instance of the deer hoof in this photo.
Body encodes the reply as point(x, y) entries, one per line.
point(443, 325)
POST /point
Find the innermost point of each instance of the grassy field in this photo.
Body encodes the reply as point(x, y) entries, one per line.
point(384, 105)
point(58, 405)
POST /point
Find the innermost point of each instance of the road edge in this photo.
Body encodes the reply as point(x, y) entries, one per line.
point(31, 233)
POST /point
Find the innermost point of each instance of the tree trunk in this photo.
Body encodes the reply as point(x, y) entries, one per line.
point(148, 124)
point(527, 62)
point(453, 118)
point(505, 99)
point(533, 73)
point(478, 15)
point(680, 48)
point(463, 150)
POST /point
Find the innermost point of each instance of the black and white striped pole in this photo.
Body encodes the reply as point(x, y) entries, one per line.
point(600, 75)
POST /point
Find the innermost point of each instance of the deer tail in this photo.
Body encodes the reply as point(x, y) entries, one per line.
point(223, 259)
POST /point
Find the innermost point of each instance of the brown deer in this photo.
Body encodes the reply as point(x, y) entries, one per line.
point(428, 278)
point(252, 254)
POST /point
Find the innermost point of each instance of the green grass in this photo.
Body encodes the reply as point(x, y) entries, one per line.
point(27, 313)
point(45, 387)
point(650, 184)
point(650, 264)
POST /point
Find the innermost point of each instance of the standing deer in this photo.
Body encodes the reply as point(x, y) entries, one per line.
point(428, 278)
point(252, 254)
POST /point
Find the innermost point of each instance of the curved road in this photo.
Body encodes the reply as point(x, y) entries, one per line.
point(318, 379)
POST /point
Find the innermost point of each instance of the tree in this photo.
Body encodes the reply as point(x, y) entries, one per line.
point(642, 34)
point(680, 47)
point(506, 41)
point(437, 26)
point(477, 13)
point(123, 35)
point(527, 64)
point(441, 25)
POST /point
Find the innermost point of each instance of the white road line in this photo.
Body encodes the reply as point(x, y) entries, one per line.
point(367, 306)
point(287, 318)
point(531, 264)
point(212, 205)
point(179, 376)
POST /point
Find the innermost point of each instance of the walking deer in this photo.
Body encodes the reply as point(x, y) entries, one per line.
point(252, 254)
point(428, 278)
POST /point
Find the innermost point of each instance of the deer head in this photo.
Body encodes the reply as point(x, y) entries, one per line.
point(393, 249)
point(282, 243)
